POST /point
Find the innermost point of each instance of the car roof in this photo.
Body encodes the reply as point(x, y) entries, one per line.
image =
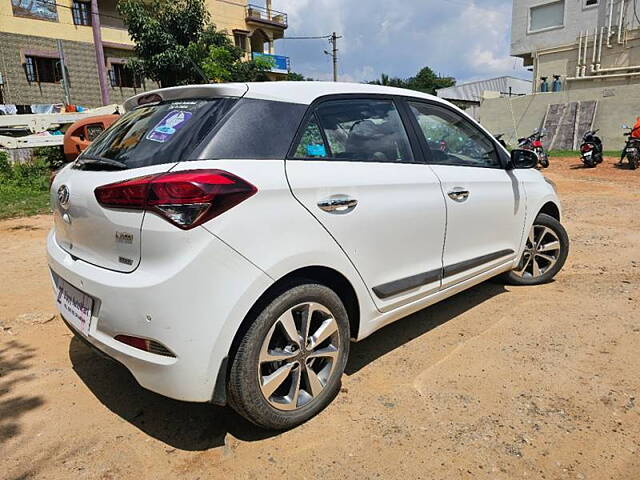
point(306, 92)
point(292, 92)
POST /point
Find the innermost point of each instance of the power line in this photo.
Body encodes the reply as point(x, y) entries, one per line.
point(306, 38)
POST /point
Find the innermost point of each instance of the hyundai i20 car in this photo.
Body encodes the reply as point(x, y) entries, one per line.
point(226, 243)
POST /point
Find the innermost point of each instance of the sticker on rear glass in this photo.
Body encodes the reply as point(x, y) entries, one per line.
point(168, 126)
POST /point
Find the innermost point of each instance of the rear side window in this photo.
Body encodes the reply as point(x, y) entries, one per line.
point(160, 133)
point(363, 130)
point(311, 144)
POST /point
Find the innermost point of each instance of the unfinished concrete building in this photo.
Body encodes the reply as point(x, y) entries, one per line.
point(585, 59)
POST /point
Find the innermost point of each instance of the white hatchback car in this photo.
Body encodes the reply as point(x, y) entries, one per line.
point(226, 242)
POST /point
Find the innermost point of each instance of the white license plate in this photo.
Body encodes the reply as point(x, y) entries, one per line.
point(74, 305)
point(631, 150)
point(588, 154)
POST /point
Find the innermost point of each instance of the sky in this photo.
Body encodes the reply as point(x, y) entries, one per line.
point(466, 39)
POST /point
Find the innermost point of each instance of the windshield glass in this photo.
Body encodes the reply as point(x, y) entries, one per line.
point(161, 133)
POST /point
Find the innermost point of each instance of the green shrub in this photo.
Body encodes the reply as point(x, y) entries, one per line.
point(53, 157)
point(23, 187)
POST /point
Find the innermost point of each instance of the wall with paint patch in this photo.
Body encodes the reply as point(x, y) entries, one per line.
point(518, 117)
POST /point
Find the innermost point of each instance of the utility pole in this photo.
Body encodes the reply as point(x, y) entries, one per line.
point(334, 54)
point(97, 43)
point(63, 71)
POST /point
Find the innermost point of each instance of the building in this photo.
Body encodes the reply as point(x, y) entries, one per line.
point(585, 58)
point(582, 43)
point(92, 39)
point(470, 94)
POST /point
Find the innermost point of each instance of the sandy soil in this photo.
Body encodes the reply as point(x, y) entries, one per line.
point(497, 382)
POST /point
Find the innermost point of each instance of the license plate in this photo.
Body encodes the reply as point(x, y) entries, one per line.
point(631, 150)
point(74, 305)
point(587, 154)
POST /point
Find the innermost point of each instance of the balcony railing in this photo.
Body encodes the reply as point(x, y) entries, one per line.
point(263, 15)
point(280, 63)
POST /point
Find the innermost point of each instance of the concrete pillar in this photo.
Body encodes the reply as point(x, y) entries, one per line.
point(97, 44)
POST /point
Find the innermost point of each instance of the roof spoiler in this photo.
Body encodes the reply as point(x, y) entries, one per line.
point(215, 90)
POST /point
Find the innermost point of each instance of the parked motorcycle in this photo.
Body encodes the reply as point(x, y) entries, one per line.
point(534, 142)
point(632, 149)
point(591, 149)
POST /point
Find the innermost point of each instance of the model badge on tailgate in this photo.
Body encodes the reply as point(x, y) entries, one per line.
point(124, 237)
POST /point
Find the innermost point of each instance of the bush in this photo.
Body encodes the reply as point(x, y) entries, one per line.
point(53, 157)
point(24, 187)
point(34, 174)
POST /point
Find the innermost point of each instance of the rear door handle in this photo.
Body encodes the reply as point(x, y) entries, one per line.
point(458, 194)
point(338, 204)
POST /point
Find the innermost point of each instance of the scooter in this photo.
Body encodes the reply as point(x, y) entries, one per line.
point(632, 149)
point(534, 142)
point(591, 149)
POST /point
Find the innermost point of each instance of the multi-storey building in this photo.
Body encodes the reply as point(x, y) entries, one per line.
point(583, 43)
point(35, 35)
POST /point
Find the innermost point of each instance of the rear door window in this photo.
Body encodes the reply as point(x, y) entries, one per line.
point(160, 133)
point(364, 130)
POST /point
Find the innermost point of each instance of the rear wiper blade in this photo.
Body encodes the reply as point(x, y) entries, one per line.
point(96, 163)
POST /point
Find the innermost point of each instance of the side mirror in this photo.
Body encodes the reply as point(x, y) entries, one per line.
point(523, 159)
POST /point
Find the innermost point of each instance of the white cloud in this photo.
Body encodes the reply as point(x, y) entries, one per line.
point(462, 38)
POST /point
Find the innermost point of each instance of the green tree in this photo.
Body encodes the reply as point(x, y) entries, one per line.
point(426, 80)
point(388, 81)
point(298, 77)
point(176, 44)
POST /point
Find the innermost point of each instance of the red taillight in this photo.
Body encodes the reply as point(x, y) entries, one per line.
point(186, 199)
point(537, 143)
point(585, 148)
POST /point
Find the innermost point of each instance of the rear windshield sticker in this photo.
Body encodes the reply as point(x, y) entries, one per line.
point(169, 125)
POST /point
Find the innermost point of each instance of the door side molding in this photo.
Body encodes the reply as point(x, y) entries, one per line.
point(460, 267)
point(395, 287)
point(401, 285)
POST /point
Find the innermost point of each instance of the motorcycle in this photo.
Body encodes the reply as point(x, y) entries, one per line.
point(534, 142)
point(632, 149)
point(591, 149)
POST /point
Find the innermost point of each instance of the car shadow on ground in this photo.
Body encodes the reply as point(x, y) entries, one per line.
point(198, 426)
point(181, 425)
point(403, 331)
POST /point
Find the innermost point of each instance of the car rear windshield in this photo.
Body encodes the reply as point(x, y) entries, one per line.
point(154, 134)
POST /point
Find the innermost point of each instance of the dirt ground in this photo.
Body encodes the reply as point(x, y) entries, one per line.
point(496, 382)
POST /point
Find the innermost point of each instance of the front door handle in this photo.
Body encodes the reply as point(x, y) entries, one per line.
point(458, 194)
point(338, 204)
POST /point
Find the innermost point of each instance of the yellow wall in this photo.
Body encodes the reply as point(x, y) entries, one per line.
point(225, 15)
point(63, 29)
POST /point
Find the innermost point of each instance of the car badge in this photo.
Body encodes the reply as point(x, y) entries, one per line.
point(63, 196)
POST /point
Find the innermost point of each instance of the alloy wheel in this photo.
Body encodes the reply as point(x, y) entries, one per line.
point(298, 356)
point(541, 252)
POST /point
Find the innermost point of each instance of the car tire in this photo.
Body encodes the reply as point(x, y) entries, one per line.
point(269, 356)
point(541, 260)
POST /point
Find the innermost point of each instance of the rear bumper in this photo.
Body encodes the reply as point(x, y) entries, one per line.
point(193, 307)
